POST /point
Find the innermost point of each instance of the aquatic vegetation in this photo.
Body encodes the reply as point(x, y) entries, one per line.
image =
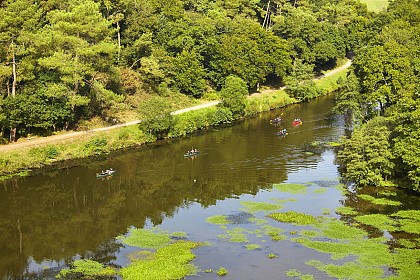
point(208, 270)
point(379, 201)
point(137, 255)
point(336, 229)
point(274, 232)
point(253, 206)
point(345, 210)
point(294, 218)
point(293, 273)
point(410, 226)
point(291, 188)
point(326, 211)
point(222, 271)
point(251, 247)
point(217, 220)
point(146, 238)
point(387, 193)
point(334, 144)
point(410, 244)
point(240, 218)
point(236, 235)
point(379, 221)
point(408, 214)
point(349, 270)
point(258, 221)
point(169, 262)
point(179, 234)
point(86, 269)
point(320, 190)
point(272, 256)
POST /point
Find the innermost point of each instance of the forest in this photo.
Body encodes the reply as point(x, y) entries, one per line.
point(63, 63)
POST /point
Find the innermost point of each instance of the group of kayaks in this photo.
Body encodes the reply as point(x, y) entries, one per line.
point(192, 153)
point(107, 173)
point(283, 131)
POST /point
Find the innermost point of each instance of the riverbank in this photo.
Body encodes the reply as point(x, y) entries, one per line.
point(21, 159)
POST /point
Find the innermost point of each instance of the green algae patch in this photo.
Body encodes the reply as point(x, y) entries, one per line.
point(146, 238)
point(387, 193)
point(274, 232)
point(379, 221)
point(320, 190)
point(409, 220)
point(235, 235)
point(258, 221)
point(291, 188)
point(217, 220)
point(294, 218)
point(336, 229)
point(86, 269)
point(222, 271)
point(169, 262)
point(379, 201)
point(408, 214)
point(179, 234)
point(251, 247)
point(253, 206)
point(345, 210)
point(297, 273)
point(349, 270)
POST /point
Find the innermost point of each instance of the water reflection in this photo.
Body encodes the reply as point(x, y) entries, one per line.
point(52, 218)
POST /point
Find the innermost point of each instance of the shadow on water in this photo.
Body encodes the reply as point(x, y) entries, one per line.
point(48, 220)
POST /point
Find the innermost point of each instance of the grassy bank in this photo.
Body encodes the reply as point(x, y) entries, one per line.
point(23, 161)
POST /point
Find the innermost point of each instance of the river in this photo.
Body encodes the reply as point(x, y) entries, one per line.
point(48, 220)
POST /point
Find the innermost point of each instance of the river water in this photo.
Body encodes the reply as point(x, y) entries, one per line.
point(49, 220)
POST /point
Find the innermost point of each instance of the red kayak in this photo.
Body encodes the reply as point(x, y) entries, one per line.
point(296, 123)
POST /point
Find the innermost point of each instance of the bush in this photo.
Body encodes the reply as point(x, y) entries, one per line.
point(96, 144)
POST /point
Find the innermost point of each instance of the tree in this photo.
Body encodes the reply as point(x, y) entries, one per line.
point(156, 116)
point(300, 82)
point(233, 95)
point(366, 158)
point(348, 98)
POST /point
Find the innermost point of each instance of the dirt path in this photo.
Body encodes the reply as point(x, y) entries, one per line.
point(71, 135)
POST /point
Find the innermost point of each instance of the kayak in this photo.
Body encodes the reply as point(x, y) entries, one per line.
point(191, 154)
point(105, 174)
point(296, 123)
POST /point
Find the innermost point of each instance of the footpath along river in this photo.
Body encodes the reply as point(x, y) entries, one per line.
point(49, 220)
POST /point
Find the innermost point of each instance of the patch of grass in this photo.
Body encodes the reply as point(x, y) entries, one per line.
point(291, 188)
point(379, 221)
point(253, 206)
point(86, 269)
point(222, 271)
point(169, 262)
point(146, 238)
point(379, 201)
point(236, 235)
point(294, 218)
point(217, 220)
point(251, 247)
point(345, 210)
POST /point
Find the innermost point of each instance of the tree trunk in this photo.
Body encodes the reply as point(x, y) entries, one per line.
point(13, 129)
point(119, 40)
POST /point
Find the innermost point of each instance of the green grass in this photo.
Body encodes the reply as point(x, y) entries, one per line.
point(375, 5)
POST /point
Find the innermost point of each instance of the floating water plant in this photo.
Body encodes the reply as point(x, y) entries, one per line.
point(146, 238)
point(326, 211)
point(169, 262)
point(291, 188)
point(179, 234)
point(251, 247)
point(217, 220)
point(320, 190)
point(379, 221)
point(236, 235)
point(222, 271)
point(272, 256)
point(258, 221)
point(86, 269)
point(253, 206)
point(345, 210)
point(379, 201)
point(336, 229)
point(274, 232)
point(294, 218)
point(349, 270)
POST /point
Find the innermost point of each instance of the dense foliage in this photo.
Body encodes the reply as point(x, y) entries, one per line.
point(62, 62)
point(384, 95)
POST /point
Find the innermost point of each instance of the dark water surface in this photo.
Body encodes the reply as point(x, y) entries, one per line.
point(47, 221)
